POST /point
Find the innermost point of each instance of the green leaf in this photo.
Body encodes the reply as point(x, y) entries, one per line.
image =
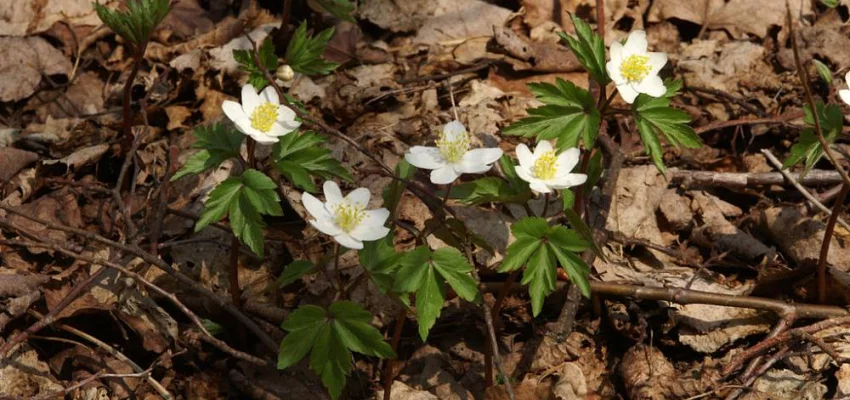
point(575, 267)
point(534, 227)
point(569, 114)
point(568, 199)
point(589, 49)
point(138, 22)
point(594, 172)
point(540, 276)
point(256, 73)
point(212, 327)
point(577, 223)
point(217, 144)
point(455, 269)
point(330, 337)
point(244, 198)
point(413, 268)
point(830, 3)
point(518, 253)
point(808, 148)
point(294, 271)
point(302, 157)
point(380, 260)
point(338, 8)
point(304, 53)
point(429, 301)
point(823, 71)
point(490, 190)
point(654, 116)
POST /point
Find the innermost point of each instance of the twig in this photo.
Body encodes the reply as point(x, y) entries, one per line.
point(112, 351)
point(491, 330)
point(777, 120)
point(439, 77)
point(689, 178)
point(682, 296)
point(773, 160)
point(827, 240)
point(132, 249)
point(388, 366)
point(734, 99)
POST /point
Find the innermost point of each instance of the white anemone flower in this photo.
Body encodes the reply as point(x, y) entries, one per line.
point(452, 156)
point(261, 116)
point(346, 218)
point(546, 170)
point(634, 69)
point(845, 93)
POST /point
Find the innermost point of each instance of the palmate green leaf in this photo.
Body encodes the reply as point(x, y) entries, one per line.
point(589, 49)
point(655, 117)
point(330, 337)
point(569, 114)
point(256, 74)
point(537, 247)
point(217, 144)
point(137, 22)
point(304, 53)
point(301, 157)
point(426, 273)
point(380, 260)
point(244, 198)
point(338, 8)
point(494, 189)
point(294, 271)
point(808, 148)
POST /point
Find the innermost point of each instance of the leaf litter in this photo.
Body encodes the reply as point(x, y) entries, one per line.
point(60, 97)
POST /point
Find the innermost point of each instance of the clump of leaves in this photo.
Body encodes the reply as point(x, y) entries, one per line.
point(808, 148)
point(217, 144)
point(654, 117)
point(299, 157)
point(136, 24)
point(256, 74)
point(304, 53)
point(330, 336)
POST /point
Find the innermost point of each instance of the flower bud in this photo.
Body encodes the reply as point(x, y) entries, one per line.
point(284, 73)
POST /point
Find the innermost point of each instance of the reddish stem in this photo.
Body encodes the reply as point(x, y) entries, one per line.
point(388, 367)
point(827, 239)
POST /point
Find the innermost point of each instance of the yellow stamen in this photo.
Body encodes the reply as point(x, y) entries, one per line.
point(546, 165)
point(453, 150)
point(348, 216)
point(264, 117)
point(635, 68)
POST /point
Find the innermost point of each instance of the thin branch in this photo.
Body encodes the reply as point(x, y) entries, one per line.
point(827, 241)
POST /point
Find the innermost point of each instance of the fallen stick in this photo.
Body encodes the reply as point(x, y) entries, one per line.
point(815, 177)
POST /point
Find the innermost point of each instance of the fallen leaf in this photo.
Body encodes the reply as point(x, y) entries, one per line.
point(23, 61)
point(25, 17)
point(80, 158)
point(14, 160)
point(24, 375)
point(177, 115)
point(738, 17)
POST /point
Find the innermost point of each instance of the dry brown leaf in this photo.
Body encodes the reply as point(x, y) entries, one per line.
point(80, 158)
point(783, 384)
point(397, 16)
point(738, 17)
point(14, 160)
point(58, 207)
point(800, 237)
point(177, 116)
point(455, 20)
point(27, 17)
point(400, 391)
point(17, 292)
point(23, 375)
point(23, 61)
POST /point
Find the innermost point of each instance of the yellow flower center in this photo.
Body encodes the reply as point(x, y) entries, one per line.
point(453, 150)
point(546, 165)
point(635, 68)
point(347, 216)
point(264, 117)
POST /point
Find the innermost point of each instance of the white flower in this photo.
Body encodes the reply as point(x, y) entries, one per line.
point(284, 73)
point(452, 156)
point(545, 170)
point(634, 69)
point(346, 218)
point(845, 93)
point(261, 116)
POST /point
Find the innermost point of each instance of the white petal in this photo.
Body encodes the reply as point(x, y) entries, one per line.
point(652, 85)
point(349, 242)
point(233, 110)
point(627, 93)
point(286, 116)
point(567, 181)
point(269, 95)
point(525, 174)
point(425, 157)
point(369, 233)
point(250, 99)
point(847, 78)
point(278, 130)
point(333, 195)
point(444, 175)
point(844, 94)
point(613, 68)
point(377, 217)
point(616, 52)
point(523, 154)
point(635, 44)
point(568, 160)
point(657, 61)
point(484, 155)
point(359, 196)
point(326, 227)
point(263, 138)
point(539, 187)
point(453, 129)
point(315, 207)
point(543, 146)
point(472, 167)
